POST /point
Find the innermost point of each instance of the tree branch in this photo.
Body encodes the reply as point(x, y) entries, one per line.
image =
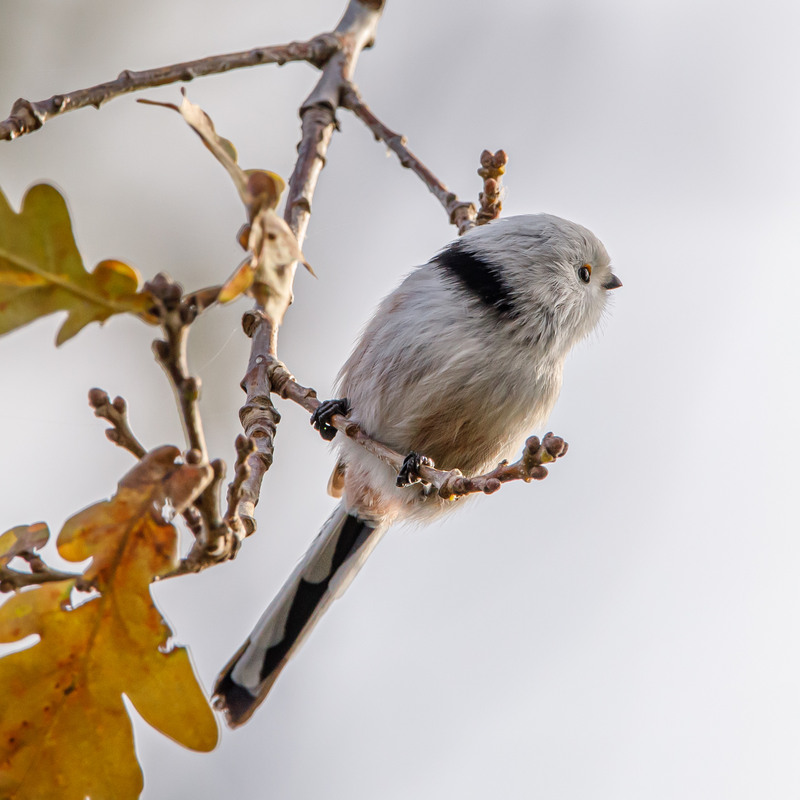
point(11, 580)
point(218, 537)
point(460, 213)
point(117, 414)
point(120, 433)
point(27, 116)
point(214, 541)
point(450, 484)
point(244, 449)
point(355, 31)
point(175, 318)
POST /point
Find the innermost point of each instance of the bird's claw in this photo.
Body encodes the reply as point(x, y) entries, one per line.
point(321, 418)
point(409, 472)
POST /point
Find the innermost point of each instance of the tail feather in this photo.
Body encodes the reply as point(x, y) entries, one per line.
point(323, 574)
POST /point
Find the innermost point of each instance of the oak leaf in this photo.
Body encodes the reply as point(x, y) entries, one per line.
point(41, 270)
point(64, 730)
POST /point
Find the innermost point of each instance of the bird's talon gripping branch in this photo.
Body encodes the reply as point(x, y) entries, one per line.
point(321, 418)
point(409, 472)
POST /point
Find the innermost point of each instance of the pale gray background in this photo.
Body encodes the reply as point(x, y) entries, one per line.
point(626, 629)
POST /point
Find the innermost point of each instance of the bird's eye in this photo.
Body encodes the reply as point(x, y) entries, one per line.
point(585, 273)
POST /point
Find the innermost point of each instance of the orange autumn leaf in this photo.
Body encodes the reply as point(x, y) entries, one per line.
point(64, 730)
point(41, 270)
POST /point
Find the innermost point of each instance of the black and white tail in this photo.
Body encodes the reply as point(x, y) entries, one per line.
point(324, 572)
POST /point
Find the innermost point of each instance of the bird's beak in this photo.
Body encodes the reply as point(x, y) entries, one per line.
point(613, 282)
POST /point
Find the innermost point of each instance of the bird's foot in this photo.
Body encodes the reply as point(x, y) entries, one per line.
point(321, 418)
point(409, 472)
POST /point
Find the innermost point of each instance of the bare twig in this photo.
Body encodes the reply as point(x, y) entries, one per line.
point(175, 318)
point(11, 580)
point(116, 413)
point(217, 538)
point(530, 466)
point(460, 213)
point(450, 484)
point(27, 116)
point(218, 541)
point(244, 449)
point(176, 315)
point(259, 418)
point(493, 167)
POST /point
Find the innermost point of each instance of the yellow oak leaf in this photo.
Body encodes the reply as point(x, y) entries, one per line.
point(64, 730)
point(41, 270)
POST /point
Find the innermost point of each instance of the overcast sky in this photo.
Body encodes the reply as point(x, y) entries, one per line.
point(627, 628)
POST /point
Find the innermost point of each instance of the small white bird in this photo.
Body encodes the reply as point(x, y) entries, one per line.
point(459, 363)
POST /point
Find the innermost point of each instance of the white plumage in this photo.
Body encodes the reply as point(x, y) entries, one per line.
point(460, 363)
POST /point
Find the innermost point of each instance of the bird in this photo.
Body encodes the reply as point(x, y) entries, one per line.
point(456, 367)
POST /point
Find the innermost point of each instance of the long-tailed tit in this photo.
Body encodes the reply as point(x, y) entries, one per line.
point(459, 364)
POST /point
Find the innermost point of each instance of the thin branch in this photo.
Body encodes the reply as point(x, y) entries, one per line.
point(116, 413)
point(355, 31)
point(530, 466)
point(27, 116)
point(217, 538)
point(460, 213)
point(176, 315)
point(244, 449)
point(120, 433)
point(258, 416)
point(450, 484)
point(13, 580)
point(171, 354)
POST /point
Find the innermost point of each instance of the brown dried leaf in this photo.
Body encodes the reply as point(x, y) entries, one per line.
point(64, 730)
point(266, 275)
point(258, 189)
